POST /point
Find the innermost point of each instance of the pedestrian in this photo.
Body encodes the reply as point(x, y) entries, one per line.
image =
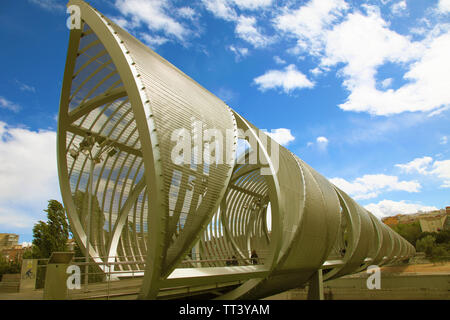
point(254, 257)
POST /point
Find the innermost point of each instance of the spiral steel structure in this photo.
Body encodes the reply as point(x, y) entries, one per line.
point(161, 215)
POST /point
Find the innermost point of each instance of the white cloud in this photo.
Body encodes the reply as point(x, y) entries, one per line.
point(281, 135)
point(246, 29)
point(5, 103)
point(399, 8)
point(426, 166)
point(386, 83)
point(252, 4)
point(187, 13)
point(221, 9)
point(50, 5)
point(310, 22)
point(322, 142)
point(153, 41)
point(444, 6)
point(288, 79)
point(28, 175)
point(361, 44)
point(238, 52)
point(386, 208)
point(154, 14)
point(441, 169)
point(371, 185)
point(278, 60)
point(419, 165)
point(443, 140)
point(365, 42)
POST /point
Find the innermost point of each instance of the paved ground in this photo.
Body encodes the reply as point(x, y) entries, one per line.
point(132, 285)
point(29, 295)
point(443, 267)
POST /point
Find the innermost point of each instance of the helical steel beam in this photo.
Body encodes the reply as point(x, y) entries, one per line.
point(159, 214)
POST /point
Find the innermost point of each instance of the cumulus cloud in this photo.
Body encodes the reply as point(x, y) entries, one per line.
point(310, 22)
point(281, 135)
point(221, 9)
point(154, 14)
point(28, 173)
point(419, 165)
point(441, 169)
point(246, 29)
point(245, 26)
point(444, 6)
point(386, 208)
point(288, 80)
point(365, 42)
point(372, 185)
point(399, 8)
point(426, 166)
point(359, 42)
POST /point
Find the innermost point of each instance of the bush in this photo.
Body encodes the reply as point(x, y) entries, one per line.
point(426, 245)
point(7, 267)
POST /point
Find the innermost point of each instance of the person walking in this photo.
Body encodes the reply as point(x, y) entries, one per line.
point(254, 257)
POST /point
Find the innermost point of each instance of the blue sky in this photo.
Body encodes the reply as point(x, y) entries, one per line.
point(360, 90)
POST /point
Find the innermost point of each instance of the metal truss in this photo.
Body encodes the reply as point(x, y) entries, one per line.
point(193, 220)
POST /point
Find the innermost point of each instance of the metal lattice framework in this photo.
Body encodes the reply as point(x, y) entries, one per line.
point(148, 208)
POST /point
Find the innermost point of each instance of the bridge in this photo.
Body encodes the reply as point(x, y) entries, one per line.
point(168, 188)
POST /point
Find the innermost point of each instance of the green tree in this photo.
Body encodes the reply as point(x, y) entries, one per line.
point(443, 236)
point(411, 231)
point(52, 235)
point(426, 244)
point(8, 267)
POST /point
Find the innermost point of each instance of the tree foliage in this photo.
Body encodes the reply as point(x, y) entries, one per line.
point(426, 245)
point(7, 267)
point(436, 245)
point(51, 236)
point(410, 232)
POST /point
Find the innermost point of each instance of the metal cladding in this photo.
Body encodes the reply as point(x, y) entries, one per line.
point(174, 215)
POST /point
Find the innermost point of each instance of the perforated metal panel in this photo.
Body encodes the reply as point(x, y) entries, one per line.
point(160, 214)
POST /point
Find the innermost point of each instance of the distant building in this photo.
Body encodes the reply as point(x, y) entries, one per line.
point(14, 254)
point(432, 224)
point(447, 223)
point(8, 241)
point(432, 221)
point(10, 249)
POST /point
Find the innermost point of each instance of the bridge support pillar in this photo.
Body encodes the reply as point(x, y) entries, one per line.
point(315, 288)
